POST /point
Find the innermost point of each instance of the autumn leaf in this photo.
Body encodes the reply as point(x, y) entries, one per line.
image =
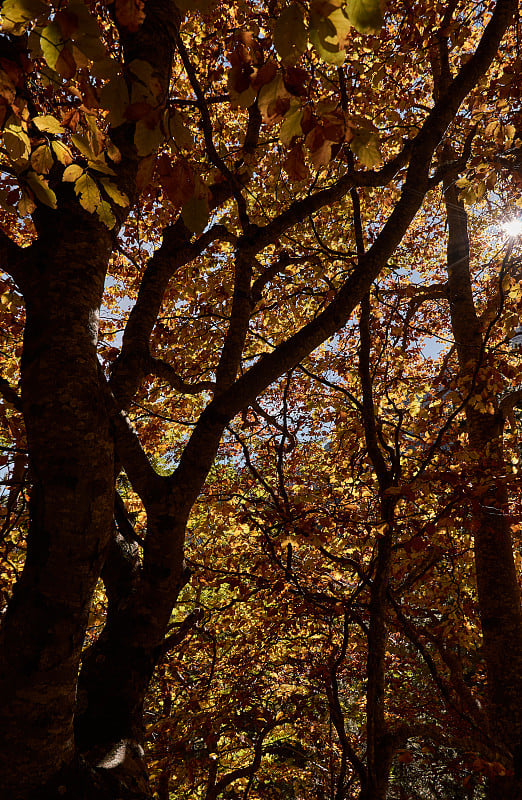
point(195, 214)
point(273, 100)
point(365, 145)
point(62, 152)
point(42, 159)
point(119, 197)
point(88, 192)
point(105, 214)
point(366, 15)
point(130, 13)
point(176, 179)
point(40, 188)
point(319, 146)
point(72, 173)
point(295, 165)
point(291, 126)
point(290, 34)
point(48, 124)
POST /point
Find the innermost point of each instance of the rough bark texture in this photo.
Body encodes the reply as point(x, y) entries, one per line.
point(72, 469)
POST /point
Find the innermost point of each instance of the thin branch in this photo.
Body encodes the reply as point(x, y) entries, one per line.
point(208, 134)
point(166, 372)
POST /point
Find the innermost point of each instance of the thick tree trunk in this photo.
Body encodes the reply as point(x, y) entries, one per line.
point(497, 581)
point(71, 457)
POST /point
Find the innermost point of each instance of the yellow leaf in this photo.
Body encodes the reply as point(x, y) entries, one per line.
point(88, 192)
point(83, 145)
point(48, 124)
point(72, 173)
point(114, 193)
point(62, 153)
point(105, 214)
point(41, 190)
point(17, 144)
point(42, 159)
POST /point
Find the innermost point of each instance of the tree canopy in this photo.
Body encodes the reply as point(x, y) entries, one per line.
point(260, 384)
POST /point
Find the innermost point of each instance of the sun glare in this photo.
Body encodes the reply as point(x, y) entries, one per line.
point(512, 227)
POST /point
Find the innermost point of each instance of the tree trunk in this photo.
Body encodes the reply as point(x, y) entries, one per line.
point(497, 582)
point(72, 466)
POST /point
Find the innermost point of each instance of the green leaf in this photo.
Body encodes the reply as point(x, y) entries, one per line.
point(41, 190)
point(290, 34)
point(114, 193)
point(341, 24)
point(92, 47)
point(105, 214)
point(48, 124)
point(100, 165)
point(291, 126)
point(15, 13)
point(114, 96)
point(142, 70)
point(107, 68)
point(88, 192)
point(51, 43)
point(246, 98)
point(195, 214)
point(72, 173)
point(87, 23)
point(268, 97)
point(366, 15)
point(365, 145)
point(146, 139)
point(26, 204)
point(178, 130)
point(82, 144)
point(323, 36)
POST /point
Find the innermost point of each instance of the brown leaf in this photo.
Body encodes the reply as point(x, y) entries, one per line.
point(89, 98)
point(13, 71)
point(264, 74)
point(177, 180)
point(294, 164)
point(65, 64)
point(239, 78)
point(145, 172)
point(319, 146)
point(67, 22)
point(136, 111)
point(7, 88)
point(130, 14)
point(71, 119)
point(296, 80)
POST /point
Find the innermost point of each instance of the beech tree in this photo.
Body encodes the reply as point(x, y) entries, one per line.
point(195, 198)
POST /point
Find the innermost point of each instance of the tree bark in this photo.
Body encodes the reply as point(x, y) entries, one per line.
point(497, 582)
point(71, 462)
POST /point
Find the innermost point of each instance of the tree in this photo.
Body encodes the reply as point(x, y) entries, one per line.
point(207, 166)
